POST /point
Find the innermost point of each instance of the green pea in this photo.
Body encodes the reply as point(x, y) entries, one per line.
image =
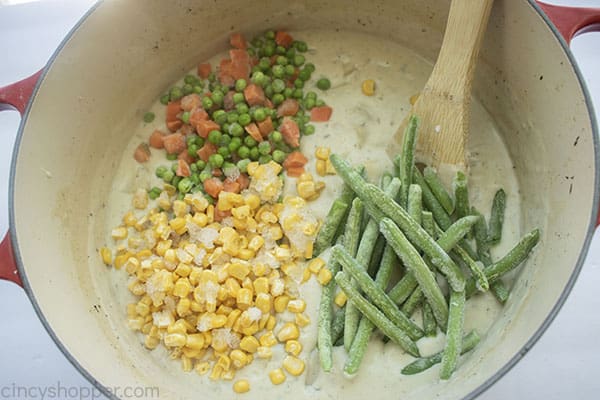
point(207, 103)
point(277, 99)
point(172, 157)
point(298, 93)
point(240, 85)
point(309, 103)
point(311, 95)
point(264, 63)
point(241, 108)
point(280, 50)
point(198, 89)
point(290, 53)
point(192, 150)
point(257, 42)
point(234, 144)
point(174, 167)
point(264, 159)
point(214, 136)
point(164, 99)
point(232, 117)
point(185, 117)
point(268, 50)
point(235, 129)
point(254, 154)
point(187, 89)
point(310, 67)
point(204, 175)
point(281, 60)
point(175, 181)
point(259, 115)
point(299, 60)
point(243, 152)
point(244, 119)
point(193, 167)
point(270, 34)
point(149, 117)
point(324, 84)
point(168, 176)
point(264, 148)
point(198, 141)
point(191, 79)
point(243, 165)
point(195, 178)
point(225, 127)
point(217, 98)
point(251, 52)
point(152, 194)
point(309, 129)
point(319, 103)
point(175, 93)
point(289, 70)
point(185, 185)
point(201, 164)
point(276, 136)
point(279, 156)
point(258, 78)
point(220, 117)
point(160, 171)
point(250, 142)
point(301, 46)
point(299, 83)
point(224, 152)
point(225, 140)
point(278, 85)
point(304, 74)
point(215, 160)
point(288, 92)
point(269, 91)
point(254, 70)
point(278, 71)
point(238, 98)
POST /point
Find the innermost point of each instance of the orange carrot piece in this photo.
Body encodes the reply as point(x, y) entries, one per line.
point(142, 153)
point(216, 172)
point(174, 143)
point(290, 132)
point(221, 215)
point(288, 108)
point(206, 151)
point(204, 127)
point(225, 72)
point(185, 156)
point(173, 110)
point(231, 186)
point(183, 168)
point(265, 127)
point(283, 39)
point(228, 103)
point(237, 40)
point(253, 131)
point(240, 64)
point(174, 125)
point(213, 186)
point(190, 102)
point(204, 70)
point(320, 114)
point(156, 139)
point(295, 160)
point(295, 171)
point(197, 115)
point(243, 181)
point(254, 94)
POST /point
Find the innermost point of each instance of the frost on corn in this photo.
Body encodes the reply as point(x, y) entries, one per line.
point(205, 236)
point(225, 336)
point(265, 181)
point(299, 225)
point(254, 314)
point(162, 319)
point(158, 285)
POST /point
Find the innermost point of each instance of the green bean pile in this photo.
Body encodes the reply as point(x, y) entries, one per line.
point(428, 234)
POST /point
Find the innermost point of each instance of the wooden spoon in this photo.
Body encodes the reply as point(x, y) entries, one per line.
point(443, 105)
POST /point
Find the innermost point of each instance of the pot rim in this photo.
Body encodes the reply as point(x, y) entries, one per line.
point(472, 395)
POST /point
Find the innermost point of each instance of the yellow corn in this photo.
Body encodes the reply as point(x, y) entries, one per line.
point(186, 364)
point(140, 199)
point(106, 255)
point(228, 375)
point(129, 219)
point(183, 270)
point(119, 233)
point(271, 321)
point(239, 359)
point(322, 153)
point(263, 302)
point(340, 299)
point(216, 373)
point(329, 168)
point(178, 225)
point(195, 341)
point(241, 386)
point(192, 353)
point(321, 167)
point(232, 318)
point(264, 352)
point(182, 288)
point(142, 309)
point(305, 275)
point(151, 342)
point(202, 368)
point(277, 376)
point(136, 287)
point(241, 212)
point(302, 320)
point(268, 339)
point(252, 201)
point(244, 299)
point(288, 331)
point(315, 265)
point(324, 276)
point(200, 219)
point(293, 347)
point(250, 330)
point(368, 87)
point(249, 344)
point(180, 208)
point(256, 243)
point(296, 306)
point(224, 362)
point(293, 365)
point(175, 339)
point(280, 303)
point(238, 270)
point(245, 254)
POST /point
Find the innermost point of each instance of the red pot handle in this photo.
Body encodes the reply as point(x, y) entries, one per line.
point(571, 21)
point(15, 96)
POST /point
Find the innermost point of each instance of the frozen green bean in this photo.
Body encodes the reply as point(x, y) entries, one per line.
point(476, 267)
point(415, 202)
point(497, 217)
point(337, 325)
point(461, 195)
point(431, 202)
point(456, 318)
point(429, 324)
point(413, 301)
point(334, 219)
point(406, 161)
point(500, 291)
point(437, 188)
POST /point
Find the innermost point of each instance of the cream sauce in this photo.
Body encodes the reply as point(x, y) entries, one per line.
point(359, 130)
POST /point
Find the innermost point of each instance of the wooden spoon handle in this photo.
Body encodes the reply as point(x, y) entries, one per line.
point(453, 71)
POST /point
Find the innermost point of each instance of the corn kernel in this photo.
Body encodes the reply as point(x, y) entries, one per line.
point(277, 376)
point(224, 362)
point(183, 270)
point(182, 288)
point(302, 320)
point(252, 200)
point(305, 177)
point(200, 219)
point(305, 275)
point(140, 199)
point(106, 255)
point(263, 302)
point(329, 168)
point(322, 153)
point(293, 365)
point(186, 364)
point(241, 212)
point(293, 347)
point(232, 318)
point(340, 299)
point(245, 254)
point(256, 243)
point(228, 375)
point(321, 167)
point(264, 352)
point(296, 306)
point(129, 219)
point(267, 339)
point(195, 341)
point(249, 344)
point(368, 87)
point(192, 353)
point(142, 309)
point(119, 233)
point(178, 225)
point(288, 331)
point(136, 287)
point(324, 276)
point(280, 303)
point(275, 232)
point(239, 359)
point(151, 342)
point(241, 386)
point(175, 339)
point(271, 321)
point(202, 368)
point(315, 265)
point(180, 209)
point(244, 299)
point(216, 373)
point(238, 270)
point(251, 330)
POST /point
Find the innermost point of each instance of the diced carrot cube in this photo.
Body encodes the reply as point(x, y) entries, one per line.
point(173, 110)
point(237, 40)
point(141, 153)
point(204, 70)
point(254, 94)
point(156, 139)
point(320, 114)
point(290, 132)
point(288, 108)
point(295, 171)
point(174, 125)
point(283, 39)
point(231, 186)
point(206, 151)
point(243, 181)
point(294, 160)
point(253, 131)
point(174, 143)
point(183, 168)
point(197, 115)
point(203, 127)
point(190, 102)
point(265, 127)
point(213, 186)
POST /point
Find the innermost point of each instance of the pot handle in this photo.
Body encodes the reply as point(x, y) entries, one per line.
point(571, 21)
point(15, 96)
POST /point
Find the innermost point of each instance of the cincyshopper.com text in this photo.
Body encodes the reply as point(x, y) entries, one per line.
point(62, 392)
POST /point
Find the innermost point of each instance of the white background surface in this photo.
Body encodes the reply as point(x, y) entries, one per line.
point(564, 364)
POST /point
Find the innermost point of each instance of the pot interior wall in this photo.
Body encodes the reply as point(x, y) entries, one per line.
point(123, 56)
